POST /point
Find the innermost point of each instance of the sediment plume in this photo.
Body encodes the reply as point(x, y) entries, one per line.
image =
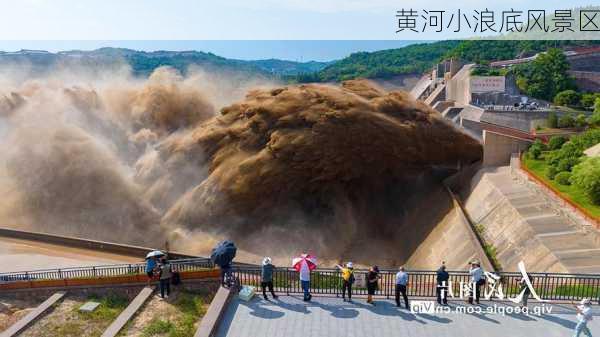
point(334, 169)
point(315, 166)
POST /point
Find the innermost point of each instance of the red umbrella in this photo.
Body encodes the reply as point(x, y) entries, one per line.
point(310, 260)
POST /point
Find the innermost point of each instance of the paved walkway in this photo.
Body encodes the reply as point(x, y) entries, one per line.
point(326, 316)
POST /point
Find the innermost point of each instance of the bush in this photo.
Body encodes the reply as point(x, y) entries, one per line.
point(563, 178)
point(556, 142)
point(552, 120)
point(535, 150)
point(597, 105)
point(551, 172)
point(566, 121)
point(580, 121)
point(586, 176)
point(567, 98)
point(594, 119)
point(587, 100)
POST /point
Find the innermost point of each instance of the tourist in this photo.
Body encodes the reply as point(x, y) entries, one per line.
point(348, 280)
point(442, 279)
point(372, 283)
point(477, 280)
point(305, 280)
point(226, 276)
point(267, 277)
point(150, 268)
point(165, 272)
point(401, 284)
point(525, 290)
point(584, 315)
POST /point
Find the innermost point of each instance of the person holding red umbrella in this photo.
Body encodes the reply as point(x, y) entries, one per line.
point(304, 264)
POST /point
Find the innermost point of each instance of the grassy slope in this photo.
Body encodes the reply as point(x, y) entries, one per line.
point(570, 192)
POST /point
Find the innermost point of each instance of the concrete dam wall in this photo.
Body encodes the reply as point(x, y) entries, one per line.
point(524, 225)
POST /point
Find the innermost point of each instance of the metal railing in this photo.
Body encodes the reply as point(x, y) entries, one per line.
point(101, 271)
point(550, 286)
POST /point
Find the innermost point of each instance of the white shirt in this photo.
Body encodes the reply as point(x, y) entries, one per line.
point(476, 274)
point(304, 272)
point(586, 313)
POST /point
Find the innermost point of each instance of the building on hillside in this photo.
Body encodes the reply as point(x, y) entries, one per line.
point(584, 63)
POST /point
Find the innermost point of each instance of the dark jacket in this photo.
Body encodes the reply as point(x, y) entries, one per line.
point(442, 276)
point(372, 283)
point(267, 272)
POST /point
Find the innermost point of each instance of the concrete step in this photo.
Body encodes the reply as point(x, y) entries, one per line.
point(565, 242)
point(551, 225)
point(24, 322)
point(126, 315)
point(571, 260)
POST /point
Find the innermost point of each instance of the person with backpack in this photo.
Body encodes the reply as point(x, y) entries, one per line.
point(165, 273)
point(150, 268)
point(267, 277)
point(348, 280)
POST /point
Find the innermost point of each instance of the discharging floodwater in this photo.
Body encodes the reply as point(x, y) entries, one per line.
point(21, 255)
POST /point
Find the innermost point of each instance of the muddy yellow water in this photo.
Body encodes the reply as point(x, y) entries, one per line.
point(20, 255)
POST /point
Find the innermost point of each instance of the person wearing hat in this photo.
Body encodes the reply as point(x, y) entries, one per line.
point(477, 280)
point(267, 277)
point(584, 315)
point(401, 284)
point(372, 283)
point(348, 280)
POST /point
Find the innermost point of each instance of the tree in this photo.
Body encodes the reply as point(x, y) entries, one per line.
point(546, 76)
point(567, 98)
point(556, 142)
point(535, 150)
point(594, 119)
point(588, 100)
point(597, 105)
point(580, 121)
point(566, 121)
point(565, 158)
point(586, 176)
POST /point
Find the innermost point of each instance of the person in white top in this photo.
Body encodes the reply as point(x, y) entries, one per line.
point(305, 280)
point(477, 280)
point(584, 315)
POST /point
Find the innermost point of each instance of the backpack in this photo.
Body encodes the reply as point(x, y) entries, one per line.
point(348, 275)
point(175, 278)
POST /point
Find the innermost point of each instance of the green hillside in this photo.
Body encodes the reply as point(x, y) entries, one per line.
point(418, 58)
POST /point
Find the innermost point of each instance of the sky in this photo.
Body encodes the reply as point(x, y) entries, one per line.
point(191, 24)
point(293, 50)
